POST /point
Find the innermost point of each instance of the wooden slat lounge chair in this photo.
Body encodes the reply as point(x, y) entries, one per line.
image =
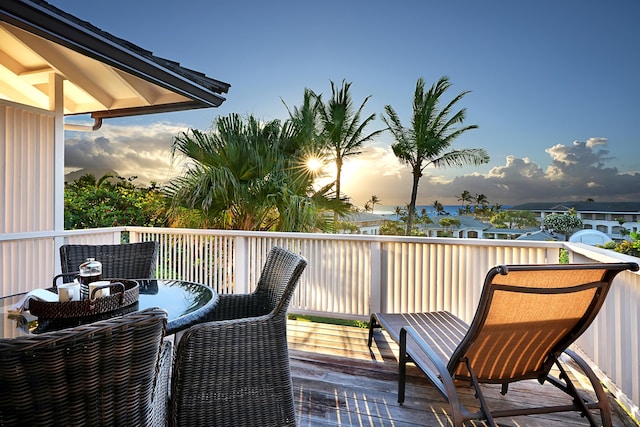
point(528, 315)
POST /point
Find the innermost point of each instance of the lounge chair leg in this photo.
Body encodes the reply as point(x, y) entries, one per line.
point(484, 407)
point(402, 366)
point(373, 324)
point(601, 396)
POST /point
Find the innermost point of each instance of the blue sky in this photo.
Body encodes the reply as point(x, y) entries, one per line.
point(554, 85)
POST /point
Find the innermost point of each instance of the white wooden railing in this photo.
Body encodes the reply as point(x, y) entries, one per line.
point(350, 276)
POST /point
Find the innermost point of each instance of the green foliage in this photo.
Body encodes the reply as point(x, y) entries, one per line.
point(329, 320)
point(392, 228)
point(344, 226)
point(477, 205)
point(111, 202)
point(627, 247)
point(514, 219)
point(563, 258)
point(449, 222)
point(246, 174)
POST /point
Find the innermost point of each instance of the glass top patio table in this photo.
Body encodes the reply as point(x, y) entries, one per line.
point(187, 303)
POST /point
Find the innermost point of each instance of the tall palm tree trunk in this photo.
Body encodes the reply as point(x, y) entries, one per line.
point(338, 180)
point(412, 203)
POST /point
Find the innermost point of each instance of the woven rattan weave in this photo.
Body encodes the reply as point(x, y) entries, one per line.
point(123, 293)
point(101, 374)
point(128, 261)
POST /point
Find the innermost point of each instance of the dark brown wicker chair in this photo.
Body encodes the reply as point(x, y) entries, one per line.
point(235, 372)
point(124, 261)
point(100, 374)
point(527, 318)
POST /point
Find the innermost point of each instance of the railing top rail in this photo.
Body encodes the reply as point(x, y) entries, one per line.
point(353, 237)
point(50, 234)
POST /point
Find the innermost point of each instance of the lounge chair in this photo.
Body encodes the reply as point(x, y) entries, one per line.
point(528, 316)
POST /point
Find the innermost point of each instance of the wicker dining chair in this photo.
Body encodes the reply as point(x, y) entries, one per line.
point(123, 261)
point(235, 371)
point(100, 374)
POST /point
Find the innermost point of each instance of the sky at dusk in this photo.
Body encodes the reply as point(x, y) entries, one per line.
point(554, 86)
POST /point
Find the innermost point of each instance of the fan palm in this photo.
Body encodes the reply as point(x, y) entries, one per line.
point(428, 141)
point(241, 176)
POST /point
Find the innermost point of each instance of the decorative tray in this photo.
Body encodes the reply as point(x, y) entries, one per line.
point(123, 293)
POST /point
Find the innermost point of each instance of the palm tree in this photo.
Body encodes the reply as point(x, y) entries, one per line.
point(466, 198)
point(398, 212)
point(309, 145)
point(343, 130)
point(433, 131)
point(481, 201)
point(244, 175)
point(439, 208)
point(481, 206)
point(373, 201)
point(306, 121)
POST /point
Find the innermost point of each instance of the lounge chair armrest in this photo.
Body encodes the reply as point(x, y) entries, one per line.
point(441, 379)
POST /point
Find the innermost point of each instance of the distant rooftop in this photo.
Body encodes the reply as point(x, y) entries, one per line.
point(466, 222)
point(359, 217)
point(579, 206)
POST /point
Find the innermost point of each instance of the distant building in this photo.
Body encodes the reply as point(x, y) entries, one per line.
point(367, 223)
point(469, 227)
point(605, 217)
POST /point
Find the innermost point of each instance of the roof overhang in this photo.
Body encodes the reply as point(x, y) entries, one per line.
point(104, 76)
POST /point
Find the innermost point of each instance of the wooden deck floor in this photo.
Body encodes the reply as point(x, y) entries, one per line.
point(338, 381)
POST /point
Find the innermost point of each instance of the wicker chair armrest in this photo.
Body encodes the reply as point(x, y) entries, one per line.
point(236, 306)
point(163, 383)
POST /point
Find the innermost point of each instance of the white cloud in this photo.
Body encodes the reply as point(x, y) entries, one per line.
point(594, 142)
point(138, 150)
point(576, 172)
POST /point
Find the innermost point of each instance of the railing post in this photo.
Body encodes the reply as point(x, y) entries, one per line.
point(134, 237)
point(375, 302)
point(57, 242)
point(241, 265)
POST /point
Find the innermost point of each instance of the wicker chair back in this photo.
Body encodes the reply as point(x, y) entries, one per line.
point(100, 374)
point(124, 261)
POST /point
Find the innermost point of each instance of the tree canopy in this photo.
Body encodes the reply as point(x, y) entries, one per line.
point(111, 202)
point(562, 223)
point(514, 219)
point(246, 174)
